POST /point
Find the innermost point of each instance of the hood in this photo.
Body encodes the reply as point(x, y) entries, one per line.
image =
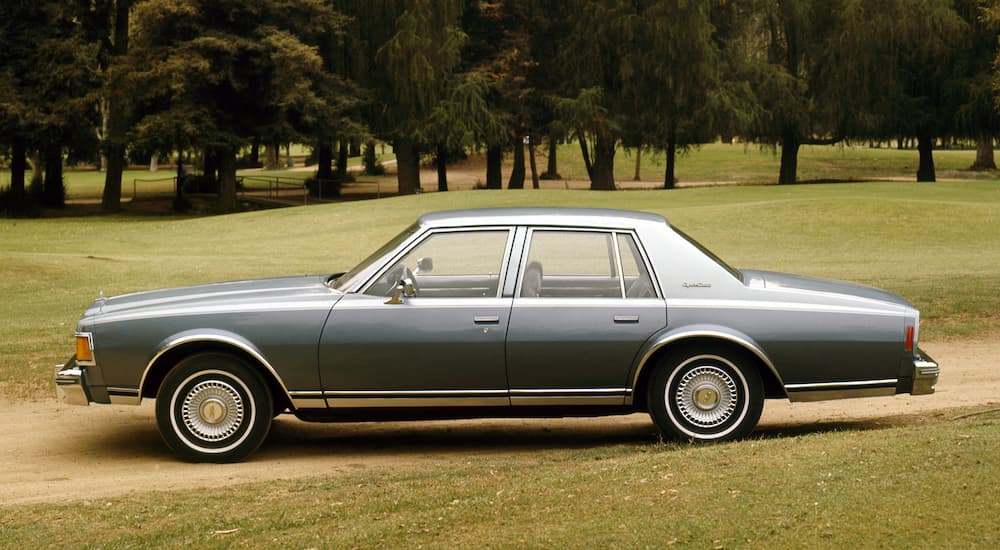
point(775, 280)
point(258, 290)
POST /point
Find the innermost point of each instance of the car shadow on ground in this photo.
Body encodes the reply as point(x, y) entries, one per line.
point(291, 438)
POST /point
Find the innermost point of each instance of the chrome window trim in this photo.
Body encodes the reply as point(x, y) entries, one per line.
point(423, 236)
point(218, 339)
point(615, 232)
point(618, 263)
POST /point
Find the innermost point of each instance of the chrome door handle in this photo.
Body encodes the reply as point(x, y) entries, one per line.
point(486, 319)
point(626, 318)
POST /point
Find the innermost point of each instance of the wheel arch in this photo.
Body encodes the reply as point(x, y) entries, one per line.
point(173, 350)
point(717, 337)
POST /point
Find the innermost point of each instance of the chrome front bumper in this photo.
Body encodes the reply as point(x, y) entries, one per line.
point(925, 374)
point(71, 384)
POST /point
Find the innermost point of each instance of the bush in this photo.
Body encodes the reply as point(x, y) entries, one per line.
point(18, 205)
point(329, 188)
point(200, 183)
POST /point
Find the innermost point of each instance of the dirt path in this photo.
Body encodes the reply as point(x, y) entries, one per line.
point(57, 453)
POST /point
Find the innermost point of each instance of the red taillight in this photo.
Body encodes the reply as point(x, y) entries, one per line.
point(909, 338)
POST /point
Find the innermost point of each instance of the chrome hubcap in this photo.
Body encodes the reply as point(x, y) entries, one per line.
point(707, 396)
point(212, 410)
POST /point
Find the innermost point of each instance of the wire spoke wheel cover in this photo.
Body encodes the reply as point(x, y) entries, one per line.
point(213, 410)
point(705, 396)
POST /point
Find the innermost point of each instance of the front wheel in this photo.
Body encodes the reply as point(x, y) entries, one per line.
point(213, 407)
point(706, 395)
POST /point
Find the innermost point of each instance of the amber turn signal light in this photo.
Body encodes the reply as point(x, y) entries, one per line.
point(84, 352)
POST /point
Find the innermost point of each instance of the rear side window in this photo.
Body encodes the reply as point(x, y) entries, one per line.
point(584, 264)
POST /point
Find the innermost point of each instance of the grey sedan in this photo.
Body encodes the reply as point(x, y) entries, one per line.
point(497, 313)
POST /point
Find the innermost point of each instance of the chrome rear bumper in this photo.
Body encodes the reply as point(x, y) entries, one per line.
point(925, 374)
point(70, 384)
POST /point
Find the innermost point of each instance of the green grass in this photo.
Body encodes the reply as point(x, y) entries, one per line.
point(936, 244)
point(748, 163)
point(88, 185)
point(925, 485)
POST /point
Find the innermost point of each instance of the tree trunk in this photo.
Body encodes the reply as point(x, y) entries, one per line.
point(925, 145)
point(227, 178)
point(789, 156)
point(272, 157)
point(371, 163)
point(602, 178)
point(669, 179)
point(154, 162)
point(324, 158)
point(18, 164)
point(181, 203)
point(984, 153)
point(342, 160)
point(585, 153)
point(210, 166)
point(531, 163)
point(255, 152)
point(552, 168)
point(53, 192)
point(354, 148)
point(494, 167)
point(638, 163)
point(516, 180)
point(407, 166)
point(441, 159)
point(117, 123)
point(37, 170)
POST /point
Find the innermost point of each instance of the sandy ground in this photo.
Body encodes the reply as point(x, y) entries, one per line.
point(51, 452)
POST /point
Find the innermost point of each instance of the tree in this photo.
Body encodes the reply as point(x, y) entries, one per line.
point(977, 113)
point(220, 74)
point(671, 77)
point(909, 82)
point(44, 87)
point(408, 51)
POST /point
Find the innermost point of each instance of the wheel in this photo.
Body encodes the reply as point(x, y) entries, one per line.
point(705, 395)
point(212, 407)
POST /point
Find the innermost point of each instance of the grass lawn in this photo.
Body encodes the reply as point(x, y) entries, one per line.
point(929, 484)
point(923, 486)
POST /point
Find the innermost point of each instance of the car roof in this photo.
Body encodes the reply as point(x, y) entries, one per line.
point(553, 216)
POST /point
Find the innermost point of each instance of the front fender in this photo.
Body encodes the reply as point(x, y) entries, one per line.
point(218, 337)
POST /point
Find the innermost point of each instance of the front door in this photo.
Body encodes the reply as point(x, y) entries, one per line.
point(441, 345)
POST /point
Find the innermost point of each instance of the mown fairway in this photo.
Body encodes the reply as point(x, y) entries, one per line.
point(920, 485)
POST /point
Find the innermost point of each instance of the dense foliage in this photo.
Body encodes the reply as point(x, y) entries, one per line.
point(214, 81)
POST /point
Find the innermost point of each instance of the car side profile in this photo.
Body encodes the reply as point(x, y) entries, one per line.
point(506, 312)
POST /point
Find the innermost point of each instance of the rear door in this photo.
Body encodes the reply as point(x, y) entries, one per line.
point(584, 304)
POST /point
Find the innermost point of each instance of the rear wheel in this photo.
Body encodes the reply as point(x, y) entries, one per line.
point(213, 407)
point(706, 395)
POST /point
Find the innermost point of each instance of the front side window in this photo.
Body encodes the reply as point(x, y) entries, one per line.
point(459, 264)
point(584, 264)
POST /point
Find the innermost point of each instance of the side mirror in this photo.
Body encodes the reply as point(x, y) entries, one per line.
point(403, 288)
point(425, 265)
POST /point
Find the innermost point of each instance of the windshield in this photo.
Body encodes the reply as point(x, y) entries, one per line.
point(732, 270)
point(340, 283)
